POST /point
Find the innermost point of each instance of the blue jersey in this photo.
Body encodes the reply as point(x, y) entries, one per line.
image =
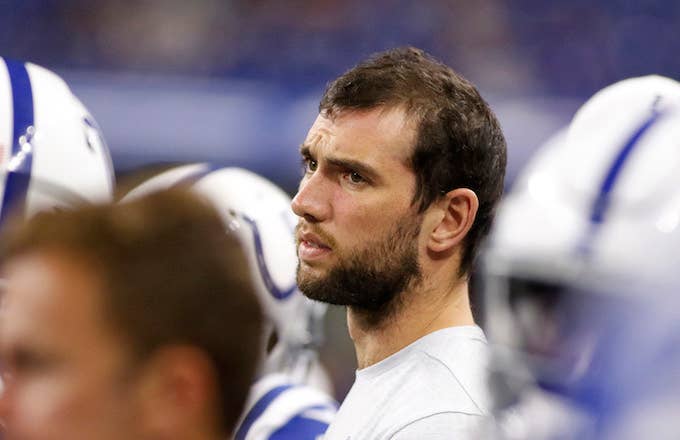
point(281, 409)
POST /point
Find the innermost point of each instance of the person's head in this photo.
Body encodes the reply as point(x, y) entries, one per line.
point(258, 213)
point(52, 153)
point(582, 247)
point(404, 166)
point(135, 320)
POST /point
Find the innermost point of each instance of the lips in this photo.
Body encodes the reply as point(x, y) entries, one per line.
point(311, 247)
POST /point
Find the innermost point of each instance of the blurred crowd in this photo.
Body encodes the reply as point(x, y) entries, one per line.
point(570, 48)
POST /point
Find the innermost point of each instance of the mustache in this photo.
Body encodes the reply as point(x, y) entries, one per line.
point(327, 239)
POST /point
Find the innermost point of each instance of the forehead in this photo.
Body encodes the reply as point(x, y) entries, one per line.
point(52, 298)
point(375, 135)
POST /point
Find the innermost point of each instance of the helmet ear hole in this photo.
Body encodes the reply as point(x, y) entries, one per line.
point(232, 220)
point(272, 341)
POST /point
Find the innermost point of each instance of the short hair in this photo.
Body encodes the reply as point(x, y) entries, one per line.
point(459, 142)
point(171, 274)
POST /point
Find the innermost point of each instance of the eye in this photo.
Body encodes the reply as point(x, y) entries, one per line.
point(25, 362)
point(355, 177)
point(309, 165)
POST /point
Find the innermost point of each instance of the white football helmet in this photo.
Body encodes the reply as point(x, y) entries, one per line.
point(259, 213)
point(583, 246)
point(52, 153)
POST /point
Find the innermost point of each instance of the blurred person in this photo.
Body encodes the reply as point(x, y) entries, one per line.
point(134, 321)
point(290, 398)
point(402, 170)
point(581, 275)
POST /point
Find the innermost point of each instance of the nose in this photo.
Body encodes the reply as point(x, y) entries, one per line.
point(312, 201)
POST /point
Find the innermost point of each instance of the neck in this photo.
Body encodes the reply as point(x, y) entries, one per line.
point(422, 310)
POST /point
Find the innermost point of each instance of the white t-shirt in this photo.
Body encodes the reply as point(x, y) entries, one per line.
point(435, 388)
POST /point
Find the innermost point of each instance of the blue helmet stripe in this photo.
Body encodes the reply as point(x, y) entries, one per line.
point(602, 202)
point(21, 156)
point(277, 292)
point(300, 428)
point(604, 197)
point(258, 409)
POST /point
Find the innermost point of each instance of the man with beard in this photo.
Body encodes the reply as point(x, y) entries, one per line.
point(403, 168)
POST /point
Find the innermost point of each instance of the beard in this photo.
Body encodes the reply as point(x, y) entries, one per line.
point(370, 279)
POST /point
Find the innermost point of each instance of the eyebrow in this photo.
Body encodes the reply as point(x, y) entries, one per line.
point(354, 165)
point(304, 150)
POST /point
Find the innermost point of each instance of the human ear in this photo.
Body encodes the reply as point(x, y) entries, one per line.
point(457, 210)
point(177, 392)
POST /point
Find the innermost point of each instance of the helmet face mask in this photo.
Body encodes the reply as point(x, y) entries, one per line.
point(562, 333)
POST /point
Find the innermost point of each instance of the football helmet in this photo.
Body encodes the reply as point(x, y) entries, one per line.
point(52, 153)
point(582, 248)
point(259, 213)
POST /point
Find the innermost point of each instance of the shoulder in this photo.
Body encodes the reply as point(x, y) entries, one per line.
point(443, 373)
point(453, 343)
point(434, 386)
point(451, 365)
point(279, 409)
point(442, 426)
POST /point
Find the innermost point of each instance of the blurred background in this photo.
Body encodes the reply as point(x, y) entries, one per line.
point(237, 82)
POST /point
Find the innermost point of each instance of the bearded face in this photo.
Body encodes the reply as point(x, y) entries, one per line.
point(370, 277)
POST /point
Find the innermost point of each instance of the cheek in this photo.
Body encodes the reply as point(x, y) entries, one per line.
point(64, 407)
point(53, 401)
point(354, 219)
point(367, 217)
